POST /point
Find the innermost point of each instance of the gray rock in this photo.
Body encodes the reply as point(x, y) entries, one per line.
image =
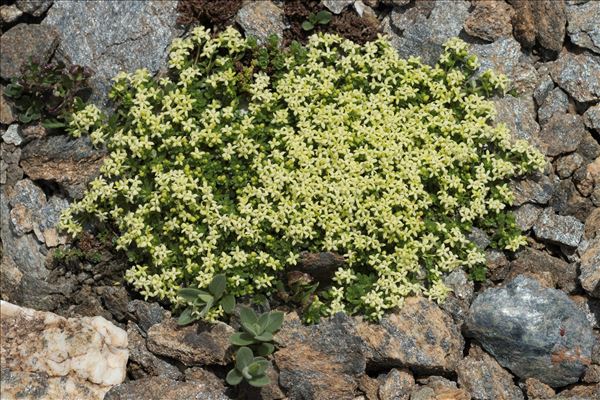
point(538, 190)
point(533, 331)
point(457, 303)
point(526, 215)
point(9, 13)
point(396, 385)
point(567, 200)
point(543, 88)
point(319, 361)
point(538, 263)
point(337, 6)
point(578, 75)
point(34, 7)
point(71, 163)
point(164, 388)
point(518, 114)
point(565, 166)
point(113, 36)
point(502, 56)
point(261, 19)
point(425, 36)
point(556, 102)
point(485, 379)
point(479, 238)
point(23, 42)
point(146, 314)
point(12, 135)
point(562, 134)
point(564, 230)
point(583, 27)
point(591, 118)
point(148, 362)
point(590, 268)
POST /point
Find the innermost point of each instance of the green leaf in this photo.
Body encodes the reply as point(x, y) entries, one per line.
point(249, 319)
point(205, 297)
point(307, 25)
point(234, 377)
point(242, 339)
point(186, 317)
point(228, 303)
point(206, 308)
point(53, 124)
point(258, 366)
point(263, 321)
point(243, 358)
point(275, 321)
point(323, 17)
point(259, 381)
point(217, 286)
point(189, 294)
point(264, 349)
point(264, 337)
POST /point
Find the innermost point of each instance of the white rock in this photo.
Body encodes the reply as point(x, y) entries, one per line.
point(12, 135)
point(74, 358)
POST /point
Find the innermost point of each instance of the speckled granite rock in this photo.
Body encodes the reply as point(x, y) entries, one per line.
point(337, 6)
point(12, 135)
point(542, 21)
point(532, 261)
point(142, 362)
point(518, 114)
point(396, 385)
point(564, 230)
point(590, 268)
point(583, 26)
point(67, 358)
point(261, 19)
point(490, 20)
point(34, 7)
point(113, 36)
point(556, 102)
point(591, 118)
point(485, 379)
point(533, 331)
point(162, 388)
point(9, 13)
point(420, 336)
point(25, 41)
point(196, 344)
point(562, 133)
point(578, 75)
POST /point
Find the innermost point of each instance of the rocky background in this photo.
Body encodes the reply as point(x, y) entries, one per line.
point(73, 330)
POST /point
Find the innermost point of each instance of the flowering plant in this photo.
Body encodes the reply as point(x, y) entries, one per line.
point(245, 156)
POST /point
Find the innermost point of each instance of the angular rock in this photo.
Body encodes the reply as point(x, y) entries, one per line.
point(591, 227)
point(568, 201)
point(9, 13)
point(565, 166)
point(196, 344)
point(337, 6)
point(147, 362)
point(490, 20)
point(518, 115)
point(12, 135)
point(10, 172)
point(396, 385)
point(583, 27)
point(113, 36)
point(146, 314)
point(579, 392)
point(563, 230)
point(563, 274)
point(592, 375)
point(425, 35)
point(589, 148)
point(590, 268)
point(70, 163)
point(526, 215)
point(543, 20)
point(319, 361)
point(420, 336)
point(578, 75)
point(484, 378)
point(533, 331)
point(34, 7)
point(556, 102)
point(82, 358)
point(437, 387)
point(502, 56)
point(7, 116)
point(538, 390)
point(159, 388)
point(261, 19)
point(115, 299)
point(591, 118)
point(457, 303)
point(25, 41)
point(537, 190)
point(562, 134)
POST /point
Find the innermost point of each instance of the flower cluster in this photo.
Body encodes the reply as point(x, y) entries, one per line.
point(241, 159)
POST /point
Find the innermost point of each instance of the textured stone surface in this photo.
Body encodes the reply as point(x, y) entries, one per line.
point(113, 36)
point(542, 21)
point(529, 260)
point(72, 358)
point(34, 7)
point(564, 230)
point(319, 361)
point(537, 390)
point(458, 301)
point(12, 136)
point(146, 314)
point(145, 362)
point(261, 19)
point(526, 215)
point(9, 13)
point(484, 378)
point(490, 20)
point(537, 189)
point(562, 134)
point(591, 227)
point(337, 6)
point(438, 387)
point(396, 385)
point(163, 388)
point(7, 116)
point(502, 56)
point(591, 118)
point(565, 166)
point(518, 114)
point(556, 102)
point(425, 34)
point(196, 344)
point(25, 41)
point(71, 163)
point(583, 27)
point(578, 75)
point(533, 331)
point(590, 268)
point(420, 336)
